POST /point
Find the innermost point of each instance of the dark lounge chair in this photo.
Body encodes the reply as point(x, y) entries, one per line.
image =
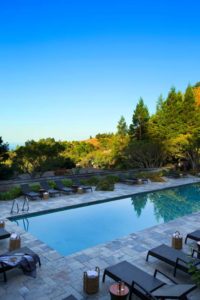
point(4, 268)
point(147, 286)
point(127, 180)
point(132, 180)
point(70, 297)
point(4, 234)
point(77, 184)
point(195, 235)
point(28, 193)
point(176, 258)
point(60, 187)
point(52, 192)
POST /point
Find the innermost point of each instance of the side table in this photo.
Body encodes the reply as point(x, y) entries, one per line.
point(44, 194)
point(118, 294)
point(91, 281)
point(80, 190)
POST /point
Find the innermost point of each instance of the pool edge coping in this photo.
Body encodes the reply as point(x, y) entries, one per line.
point(68, 207)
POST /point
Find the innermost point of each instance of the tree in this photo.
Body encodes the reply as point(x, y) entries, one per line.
point(6, 171)
point(145, 154)
point(39, 157)
point(3, 151)
point(159, 104)
point(122, 128)
point(197, 84)
point(192, 150)
point(138, 128)
point(191, 112)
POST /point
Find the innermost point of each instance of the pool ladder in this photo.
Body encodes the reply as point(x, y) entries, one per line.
point(15, 206)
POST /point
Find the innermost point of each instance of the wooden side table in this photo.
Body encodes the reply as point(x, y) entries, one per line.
point(80, 190)
point(15, 242)
point(2, 224)
point(91, 281)
point(44, 194)
point(118, 294)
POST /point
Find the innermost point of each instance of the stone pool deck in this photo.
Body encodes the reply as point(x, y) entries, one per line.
point(60, 276)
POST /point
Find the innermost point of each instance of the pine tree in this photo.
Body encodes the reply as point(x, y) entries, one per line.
point(122, 128)
point(138, 128)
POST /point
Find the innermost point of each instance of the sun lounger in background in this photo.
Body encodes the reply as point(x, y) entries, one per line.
point(52, 192)
point(60, 187)
point(78, 185)
point(28, 193)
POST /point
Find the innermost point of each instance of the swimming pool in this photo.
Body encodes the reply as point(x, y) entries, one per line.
point(72, 230)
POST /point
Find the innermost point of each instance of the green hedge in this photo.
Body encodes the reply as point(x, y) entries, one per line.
point(67, 182)
point(13, 193)
point(105, 185)
point(35, 187)
point(112, 178)
point(91, 181)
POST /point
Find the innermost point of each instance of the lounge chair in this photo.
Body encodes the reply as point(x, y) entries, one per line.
point(52, 192)
point(4, 234)
point(60, 187)
point(132, 180)
point(77, 184)
point(25, 250)
point(70, 297)
point(176, 258)
point(195, 235)
point(28, 193)
point(126, 180)
point(147, 286)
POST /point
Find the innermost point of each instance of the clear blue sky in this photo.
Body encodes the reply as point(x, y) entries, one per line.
point(69, 69)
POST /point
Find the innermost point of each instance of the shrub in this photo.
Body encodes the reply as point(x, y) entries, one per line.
point(13, 193)
point(52, 184)
point(35, 187)
point(67, 182)
point(94, 180)
point(105, 185)
point(112, 178)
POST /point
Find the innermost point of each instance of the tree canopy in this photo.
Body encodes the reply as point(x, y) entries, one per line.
point(170, 134)
point(140, 118)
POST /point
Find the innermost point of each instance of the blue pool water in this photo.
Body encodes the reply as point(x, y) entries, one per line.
point(72, 230)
